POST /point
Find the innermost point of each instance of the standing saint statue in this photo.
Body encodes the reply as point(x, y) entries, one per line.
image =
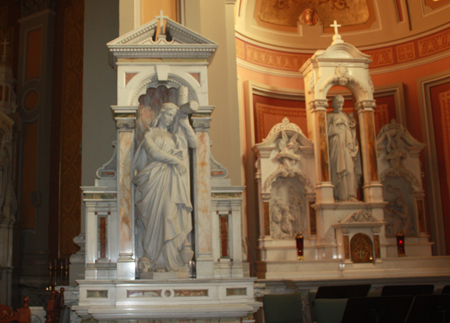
point(160, 172)
point(343, 152)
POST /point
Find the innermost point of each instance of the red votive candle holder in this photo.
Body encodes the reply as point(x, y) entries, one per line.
point(401, 244)
point(299, 242)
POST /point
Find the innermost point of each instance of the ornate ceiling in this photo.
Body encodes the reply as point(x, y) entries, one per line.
point(304, 24)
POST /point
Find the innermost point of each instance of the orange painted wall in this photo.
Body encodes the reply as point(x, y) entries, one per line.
point(409, 78)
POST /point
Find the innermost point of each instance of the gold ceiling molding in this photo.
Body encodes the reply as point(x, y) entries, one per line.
point(406, 52)
point(291, 12)
point(436, 4)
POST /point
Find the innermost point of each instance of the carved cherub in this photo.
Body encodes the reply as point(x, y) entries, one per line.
point(395, 153)
point(288, 156)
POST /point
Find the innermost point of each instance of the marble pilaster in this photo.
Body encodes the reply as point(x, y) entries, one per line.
point(324, 188)
point(372, 186)
point(125, 123)
point(205, 262)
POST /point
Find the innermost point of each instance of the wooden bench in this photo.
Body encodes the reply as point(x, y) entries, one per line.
point(22, 315)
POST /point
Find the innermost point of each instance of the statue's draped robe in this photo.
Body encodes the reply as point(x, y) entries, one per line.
point(342, 142)
point(162, 198)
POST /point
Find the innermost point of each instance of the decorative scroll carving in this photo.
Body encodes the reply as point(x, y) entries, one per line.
point(217, 169)
point(360, 217)
point(125, 124)
point(108, 170)
point(201, 125)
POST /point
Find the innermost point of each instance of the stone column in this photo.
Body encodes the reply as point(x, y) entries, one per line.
point(259, 191)
point(202, 186)
point(324, 188)
point(125, 123)
point(372, 186)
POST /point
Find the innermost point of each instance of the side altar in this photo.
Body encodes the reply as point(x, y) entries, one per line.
point(163, 223)
point(333, 199)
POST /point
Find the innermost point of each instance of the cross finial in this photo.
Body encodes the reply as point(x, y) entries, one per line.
point(336, 36)
point(5, 44)
point(161, 18)
point(335, 25)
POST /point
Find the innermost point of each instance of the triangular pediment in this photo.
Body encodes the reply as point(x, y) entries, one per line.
point(178, 42)
point(360, 217)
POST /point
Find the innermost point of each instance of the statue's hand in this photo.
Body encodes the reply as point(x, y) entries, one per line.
point(181, 168)
point(179, 155)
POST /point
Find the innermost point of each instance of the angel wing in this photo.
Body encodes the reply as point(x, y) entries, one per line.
point(293, 141)
point(283, 141)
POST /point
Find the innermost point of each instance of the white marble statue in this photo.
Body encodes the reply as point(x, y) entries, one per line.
point(160, 172)
point(288, 155)
point(343, 152)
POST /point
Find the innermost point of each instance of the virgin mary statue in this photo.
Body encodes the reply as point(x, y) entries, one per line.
point(160, 172)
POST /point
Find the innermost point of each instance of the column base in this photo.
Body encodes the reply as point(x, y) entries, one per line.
point(324, 193)
point(126, 268)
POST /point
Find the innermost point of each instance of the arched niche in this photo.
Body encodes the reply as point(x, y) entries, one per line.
point(173, 81)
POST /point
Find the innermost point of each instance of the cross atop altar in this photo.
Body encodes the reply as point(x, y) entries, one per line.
point(161, 18)
point(336, 37)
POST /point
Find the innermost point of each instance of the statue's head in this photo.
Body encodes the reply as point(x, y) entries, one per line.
point(166, 115)
point(144, 264)
point(338, 103)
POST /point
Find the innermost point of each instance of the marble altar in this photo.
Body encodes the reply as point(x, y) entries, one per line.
point(163, 224)
point(347, 191)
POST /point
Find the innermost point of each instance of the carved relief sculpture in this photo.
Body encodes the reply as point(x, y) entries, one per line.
point(400, 175)
point(397, 214)
point(282, 220)
point(343, 148)
point(160, 172)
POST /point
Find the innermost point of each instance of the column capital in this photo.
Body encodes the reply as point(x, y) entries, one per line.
point(124, 116)
point(319, 104)
point(365, 105)
point(201, 124)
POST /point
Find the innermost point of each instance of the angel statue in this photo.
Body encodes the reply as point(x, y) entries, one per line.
point(288, 156)
point(160, 172)
point(395, 153)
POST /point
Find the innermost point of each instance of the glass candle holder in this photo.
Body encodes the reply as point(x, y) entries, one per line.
point(299, 240)
point(401, 244)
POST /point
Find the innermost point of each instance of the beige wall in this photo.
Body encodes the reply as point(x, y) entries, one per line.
point(214, 20)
